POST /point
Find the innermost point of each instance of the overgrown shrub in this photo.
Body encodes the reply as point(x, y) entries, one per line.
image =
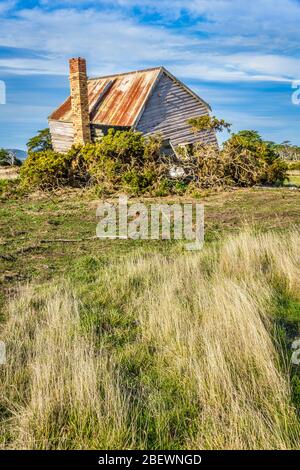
point(249, 160)
point(122, 160)
point(50, 169)
point(129, 162)
point(244, 160)
point(9, 188)
point(137, 182)
point(203, 123)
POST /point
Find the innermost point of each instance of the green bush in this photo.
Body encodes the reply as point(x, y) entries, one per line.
point(122, 160)
point(135, 182)
point(127, 147)
point(249, 160)
point(49, 170)
point(245, 160)
point(8, 189)
point(163, 188)
point(293, 166)
point(203, 123)
point(128, 161)
point(44, 170)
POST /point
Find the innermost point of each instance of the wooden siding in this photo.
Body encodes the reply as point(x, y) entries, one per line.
point(62, 135)
point(168, 110)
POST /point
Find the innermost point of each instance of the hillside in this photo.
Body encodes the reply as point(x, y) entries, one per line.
point(20, 154)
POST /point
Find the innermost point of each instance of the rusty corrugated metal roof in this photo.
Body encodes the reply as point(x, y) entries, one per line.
point(116, 100)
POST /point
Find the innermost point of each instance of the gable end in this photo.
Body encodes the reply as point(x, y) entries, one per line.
point(168, 109)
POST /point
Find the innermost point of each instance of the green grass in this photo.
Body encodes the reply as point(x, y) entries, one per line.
point(27, 225)
point(157, 351)
point(30, 226)
point(138, 304)
point(294, 165)
point(294, 180)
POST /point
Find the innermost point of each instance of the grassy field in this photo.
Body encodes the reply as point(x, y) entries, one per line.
point(29, 228)
point(294, 178)
point(140, 344)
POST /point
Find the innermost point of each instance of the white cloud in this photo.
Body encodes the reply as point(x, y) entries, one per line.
point(113, 41)
point(270, 24)
point(284, 68)
point(240, 67)
point(233, 19)
point(110, 41)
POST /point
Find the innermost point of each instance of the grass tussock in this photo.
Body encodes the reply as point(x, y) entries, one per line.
point(158, 353)
point(59, 391)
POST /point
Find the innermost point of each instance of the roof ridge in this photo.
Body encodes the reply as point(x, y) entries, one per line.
point(160, 68)
point(124, 105)
point(127, 73)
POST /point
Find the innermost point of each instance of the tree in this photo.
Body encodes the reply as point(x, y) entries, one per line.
point(5, 158)
point(203, 123)
point(8, 158)
point(288, 152)
point(250, 136)
point(41, 142)
point(253, 142)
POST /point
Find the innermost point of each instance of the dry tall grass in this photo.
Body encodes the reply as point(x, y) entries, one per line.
point(60, 391)
point(207, 372)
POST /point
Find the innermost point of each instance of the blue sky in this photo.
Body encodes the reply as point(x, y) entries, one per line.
point(240, 56)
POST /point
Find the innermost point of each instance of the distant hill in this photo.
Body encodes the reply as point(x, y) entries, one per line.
point(20, 154)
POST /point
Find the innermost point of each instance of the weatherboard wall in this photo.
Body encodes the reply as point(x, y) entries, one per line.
point(62, 135)
point(168, 110)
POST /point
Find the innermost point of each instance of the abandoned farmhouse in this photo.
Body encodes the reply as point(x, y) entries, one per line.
point(150, 101)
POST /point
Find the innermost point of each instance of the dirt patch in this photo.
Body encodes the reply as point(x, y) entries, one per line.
point(9, 173)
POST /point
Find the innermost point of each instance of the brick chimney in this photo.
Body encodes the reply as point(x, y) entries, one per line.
point(79, 99)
